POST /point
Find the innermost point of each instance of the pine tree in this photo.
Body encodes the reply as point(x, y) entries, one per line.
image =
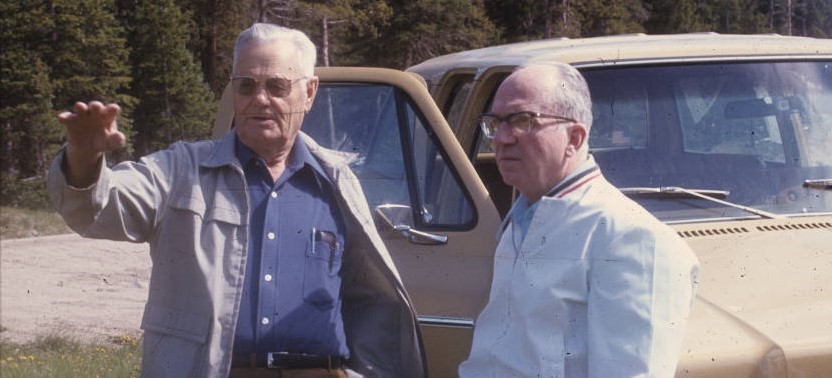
point(212, 41)
point(27, 119)
point(426, 28)
point(535, 19)
point(175, 103)
point(606, 17)
point(672, 16)
point(811, 18)
point(89, 59)
point(338, 27)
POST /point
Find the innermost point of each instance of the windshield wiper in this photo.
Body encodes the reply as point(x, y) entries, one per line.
point(673, 192)
point(706, 194)
point(822, 184)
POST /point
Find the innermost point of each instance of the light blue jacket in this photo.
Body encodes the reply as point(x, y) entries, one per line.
point(190, 203)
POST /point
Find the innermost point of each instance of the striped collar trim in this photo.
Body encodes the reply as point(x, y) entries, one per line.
point(574, 183)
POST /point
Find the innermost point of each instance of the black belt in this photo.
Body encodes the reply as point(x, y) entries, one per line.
point(282, 360)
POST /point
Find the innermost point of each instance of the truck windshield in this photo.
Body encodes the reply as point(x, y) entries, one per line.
point(756, 130)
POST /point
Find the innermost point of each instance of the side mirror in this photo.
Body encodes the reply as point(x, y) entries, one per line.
point(399, 218)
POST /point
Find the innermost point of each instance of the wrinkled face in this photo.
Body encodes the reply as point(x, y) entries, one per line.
point(262, 113)
point(533, 161)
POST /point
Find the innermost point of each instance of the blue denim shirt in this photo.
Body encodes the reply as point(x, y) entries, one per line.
point(291, 298)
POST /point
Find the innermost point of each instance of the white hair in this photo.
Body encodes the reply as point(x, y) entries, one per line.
point(571, 98)
point(307, 53)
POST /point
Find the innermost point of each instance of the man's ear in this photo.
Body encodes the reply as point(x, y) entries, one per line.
point(311, 90)
point(577, 138)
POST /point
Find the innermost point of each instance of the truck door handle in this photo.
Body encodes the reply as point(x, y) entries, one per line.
point(420, 237)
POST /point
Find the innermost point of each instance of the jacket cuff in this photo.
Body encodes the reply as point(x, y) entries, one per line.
point(78, 206)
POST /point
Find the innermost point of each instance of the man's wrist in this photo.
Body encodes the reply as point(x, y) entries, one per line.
point(81, 171)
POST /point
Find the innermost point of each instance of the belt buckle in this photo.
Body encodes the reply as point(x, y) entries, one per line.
point(282, 360)
point(270, 360)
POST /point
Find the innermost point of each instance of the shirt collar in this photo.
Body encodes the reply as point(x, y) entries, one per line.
point(299, 157)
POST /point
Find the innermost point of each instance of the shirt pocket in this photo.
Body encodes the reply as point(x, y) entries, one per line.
point(322, 270)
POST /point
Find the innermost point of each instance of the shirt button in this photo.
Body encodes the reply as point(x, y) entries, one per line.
point(268, 277)
point(264, 321)
point(274, 194)
point(270, 235)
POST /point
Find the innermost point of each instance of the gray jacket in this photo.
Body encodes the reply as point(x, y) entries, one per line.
point(190, 203)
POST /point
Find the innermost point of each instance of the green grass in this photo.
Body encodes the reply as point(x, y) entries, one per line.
point(58, 356)
point(18, 222)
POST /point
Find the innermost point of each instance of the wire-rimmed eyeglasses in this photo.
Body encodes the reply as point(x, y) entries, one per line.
point(276, 86)
point(518, 123)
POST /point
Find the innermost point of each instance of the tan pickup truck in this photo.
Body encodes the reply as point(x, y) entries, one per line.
point(727, 138)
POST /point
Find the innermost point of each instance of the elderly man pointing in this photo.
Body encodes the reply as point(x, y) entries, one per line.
point(586, 283)
point(266, 262)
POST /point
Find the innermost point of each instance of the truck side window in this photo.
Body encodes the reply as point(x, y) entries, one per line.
point(393, 152)
point(456, 101)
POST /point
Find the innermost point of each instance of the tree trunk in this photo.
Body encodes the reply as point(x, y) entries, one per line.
point(209, 55)
point(8, 162)
point(325, 41)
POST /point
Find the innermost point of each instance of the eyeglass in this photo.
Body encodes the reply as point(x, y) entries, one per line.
point(519, 123)
point(277, 86)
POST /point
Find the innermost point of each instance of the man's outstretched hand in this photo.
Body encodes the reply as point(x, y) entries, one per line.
point(91, 131)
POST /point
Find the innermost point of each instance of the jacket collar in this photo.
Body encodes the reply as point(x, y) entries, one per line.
point(223, 153)
point(587, 172)
point(331, 161)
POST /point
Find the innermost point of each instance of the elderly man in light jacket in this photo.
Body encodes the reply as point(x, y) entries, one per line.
point(265, 258)
point(586, 282)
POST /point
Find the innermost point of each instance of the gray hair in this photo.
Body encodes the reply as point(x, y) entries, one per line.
point(307, 53)
point(571, 98)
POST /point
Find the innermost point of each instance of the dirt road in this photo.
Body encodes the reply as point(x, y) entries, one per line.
point(70, 286)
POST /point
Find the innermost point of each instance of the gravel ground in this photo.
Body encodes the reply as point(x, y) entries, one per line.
point(90, 290)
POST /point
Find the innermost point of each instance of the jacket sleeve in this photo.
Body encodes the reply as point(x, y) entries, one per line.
point(123, 204)
point(641, 287)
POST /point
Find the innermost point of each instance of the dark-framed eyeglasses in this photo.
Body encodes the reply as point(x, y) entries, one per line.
point(518, 123)
point(276, 86)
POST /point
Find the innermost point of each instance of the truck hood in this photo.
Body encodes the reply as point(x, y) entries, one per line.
point(764, 302)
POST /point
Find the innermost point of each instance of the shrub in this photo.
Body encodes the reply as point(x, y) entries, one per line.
point(29, 193)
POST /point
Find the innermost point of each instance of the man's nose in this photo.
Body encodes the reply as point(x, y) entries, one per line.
point(261, 95)
point(504, 134)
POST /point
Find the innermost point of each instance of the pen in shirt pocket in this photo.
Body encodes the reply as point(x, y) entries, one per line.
point(330, 241)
